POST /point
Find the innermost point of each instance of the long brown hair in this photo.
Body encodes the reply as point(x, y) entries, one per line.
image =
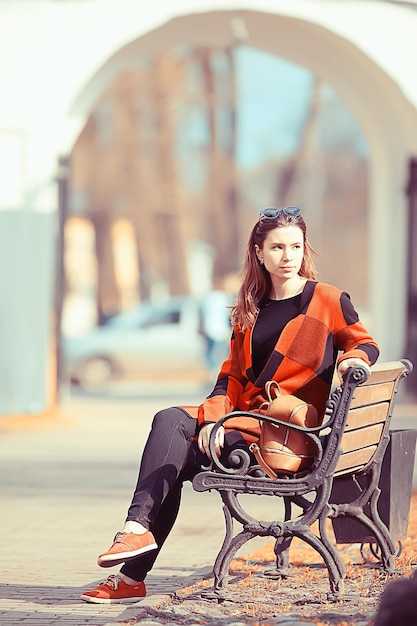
point(256, 284)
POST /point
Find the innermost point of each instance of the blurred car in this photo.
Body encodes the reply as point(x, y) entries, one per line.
point(160, 339)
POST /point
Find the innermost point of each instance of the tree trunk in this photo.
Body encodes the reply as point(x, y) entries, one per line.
point(170, 245)
point(108, 298)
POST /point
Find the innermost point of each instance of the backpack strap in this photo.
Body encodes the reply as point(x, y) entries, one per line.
point(255, 449)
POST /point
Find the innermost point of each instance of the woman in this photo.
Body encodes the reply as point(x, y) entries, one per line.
point(286, 327)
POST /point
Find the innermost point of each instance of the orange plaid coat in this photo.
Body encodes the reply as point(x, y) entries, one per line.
point(326, 331)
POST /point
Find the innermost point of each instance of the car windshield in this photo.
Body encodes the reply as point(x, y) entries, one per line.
point(146, 315)
point(132, 317)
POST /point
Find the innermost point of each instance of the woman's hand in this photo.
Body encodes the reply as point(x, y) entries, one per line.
point(352, 362)
point(204, 438)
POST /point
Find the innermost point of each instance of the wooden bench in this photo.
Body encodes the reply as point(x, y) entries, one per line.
point(351, 442)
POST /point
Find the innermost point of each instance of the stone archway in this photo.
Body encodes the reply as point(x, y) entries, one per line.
point(373, 97)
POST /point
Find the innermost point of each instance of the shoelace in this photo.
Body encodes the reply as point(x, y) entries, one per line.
point(113, 581)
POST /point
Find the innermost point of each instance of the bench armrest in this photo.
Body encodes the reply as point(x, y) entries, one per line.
point(240, 460)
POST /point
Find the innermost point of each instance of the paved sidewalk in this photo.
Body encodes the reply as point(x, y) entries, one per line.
point(65, 485)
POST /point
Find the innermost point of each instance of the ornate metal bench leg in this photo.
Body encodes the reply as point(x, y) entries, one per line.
point(386, 543)
point(330, 547)
point(282, 548)
point(220, 575)
point(370, 547)
point(385, 549)
point(337, 589)
point(282, 553)
point(226, 541)
point(222, 566)
point(334, 564)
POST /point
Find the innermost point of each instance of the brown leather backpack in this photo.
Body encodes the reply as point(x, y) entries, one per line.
point(280, 449)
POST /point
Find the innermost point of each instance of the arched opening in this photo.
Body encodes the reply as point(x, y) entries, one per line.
point(188, 164)
point(370, 95)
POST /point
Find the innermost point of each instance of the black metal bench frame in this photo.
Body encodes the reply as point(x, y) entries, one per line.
point(241, 476)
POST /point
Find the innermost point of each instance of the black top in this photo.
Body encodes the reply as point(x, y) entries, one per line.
point(273, 316)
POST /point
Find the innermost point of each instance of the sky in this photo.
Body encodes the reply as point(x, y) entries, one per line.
point(273, 99)
point(273, 94)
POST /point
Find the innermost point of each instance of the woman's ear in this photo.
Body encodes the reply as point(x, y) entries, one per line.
point(258, 253)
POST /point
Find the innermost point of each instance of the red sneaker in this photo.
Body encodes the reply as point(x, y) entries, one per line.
point(127, 546)
point(114, 590)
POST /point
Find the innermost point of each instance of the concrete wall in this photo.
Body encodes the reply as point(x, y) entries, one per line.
point(27, 281)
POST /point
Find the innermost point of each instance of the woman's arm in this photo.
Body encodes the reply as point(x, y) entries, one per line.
point(352, 338)
point(229, 385)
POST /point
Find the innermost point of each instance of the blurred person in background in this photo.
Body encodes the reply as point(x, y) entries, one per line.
point(287, 327)
point(216, 328)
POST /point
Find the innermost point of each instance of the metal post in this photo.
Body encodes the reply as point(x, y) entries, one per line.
point(62, 181)
point(411, 331)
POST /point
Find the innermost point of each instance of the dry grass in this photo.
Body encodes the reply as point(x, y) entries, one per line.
point(302, 554)
point(254, 598)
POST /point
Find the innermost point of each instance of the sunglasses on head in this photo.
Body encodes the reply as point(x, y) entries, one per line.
point(294, 211)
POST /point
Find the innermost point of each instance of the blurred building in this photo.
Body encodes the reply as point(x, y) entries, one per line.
point(57, 58)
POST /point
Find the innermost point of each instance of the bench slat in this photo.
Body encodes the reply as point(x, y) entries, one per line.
point(372, 394)
point(354, 460)
point(361, 437)
point(367, 415)
point(383, 372)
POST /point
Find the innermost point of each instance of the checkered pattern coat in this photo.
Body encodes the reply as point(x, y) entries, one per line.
point(326, 331)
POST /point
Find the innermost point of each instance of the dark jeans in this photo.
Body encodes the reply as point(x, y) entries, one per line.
point(171, 456)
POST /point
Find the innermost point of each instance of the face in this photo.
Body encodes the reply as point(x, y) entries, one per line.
point(282, 252)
